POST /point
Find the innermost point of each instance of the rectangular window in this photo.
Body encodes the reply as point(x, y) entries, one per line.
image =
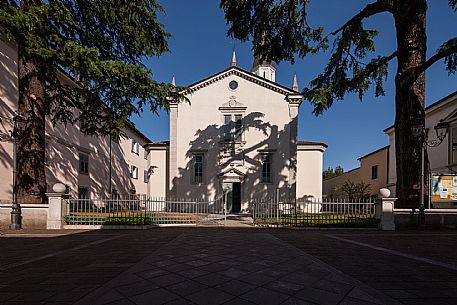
point(228, 127)
point(83, 125)
point(134, 172)
point(135, 147)
point(233, 127)
point(198, 169)
point(374, 172)
point(453, 144)
point(146, 176)
point(146, 153)
point(266, 168)
point(238, 128)
point(83, 164)
point(83, 193)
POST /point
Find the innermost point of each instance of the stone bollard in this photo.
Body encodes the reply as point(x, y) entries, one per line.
point(385, 210)
point(57, 207)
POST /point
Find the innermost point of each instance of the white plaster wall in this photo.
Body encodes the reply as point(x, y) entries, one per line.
point(8, 106)
point(438, 156)
point(199, 124)
point(64, 145)
point(139, 160)
point(158, 185)
point(309, 173)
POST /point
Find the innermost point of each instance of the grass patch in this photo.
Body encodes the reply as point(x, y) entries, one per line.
point(131, 218)
point(321, 220)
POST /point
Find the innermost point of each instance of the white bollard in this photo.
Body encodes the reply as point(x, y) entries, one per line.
point(57, 207)
point(385, 210)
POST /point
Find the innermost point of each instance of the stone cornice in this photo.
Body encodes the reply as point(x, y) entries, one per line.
point(243, 74)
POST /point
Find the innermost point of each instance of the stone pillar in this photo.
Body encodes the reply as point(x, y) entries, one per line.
point(294, 104)
point(173, 150)
point(385, 211)
point(56, 211)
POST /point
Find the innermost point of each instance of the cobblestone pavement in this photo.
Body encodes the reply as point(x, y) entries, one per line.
point(228, 266)
point(409, 281)
point(233, 268)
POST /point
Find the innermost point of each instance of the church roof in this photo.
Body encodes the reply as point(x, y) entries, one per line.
point(244, 74)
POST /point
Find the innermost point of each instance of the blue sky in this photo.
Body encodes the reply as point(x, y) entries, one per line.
point(200, 47)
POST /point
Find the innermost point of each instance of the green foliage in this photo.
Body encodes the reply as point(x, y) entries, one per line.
point(355, 191)
point(451, 59)
point(280, 31)
point(330, 172)
point(91, 55)
point(453, 4)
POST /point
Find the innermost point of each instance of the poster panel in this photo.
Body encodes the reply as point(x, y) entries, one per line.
point(443, 189)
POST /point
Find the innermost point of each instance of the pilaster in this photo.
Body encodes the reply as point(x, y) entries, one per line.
point(173, 150)
point(294, 104)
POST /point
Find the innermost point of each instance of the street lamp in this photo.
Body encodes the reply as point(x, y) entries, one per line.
point(441, 130)
point(12, 136)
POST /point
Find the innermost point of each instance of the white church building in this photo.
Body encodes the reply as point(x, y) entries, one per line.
point(237, 132)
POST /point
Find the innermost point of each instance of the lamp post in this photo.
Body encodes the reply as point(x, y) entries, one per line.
point(12, 136)
point(441, 130)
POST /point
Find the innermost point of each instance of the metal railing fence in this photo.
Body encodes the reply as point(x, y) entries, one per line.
point(315, 213)
point(143, 210)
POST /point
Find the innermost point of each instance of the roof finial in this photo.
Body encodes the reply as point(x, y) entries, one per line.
point(173, 81)
point(233, 64)
point(295, 84)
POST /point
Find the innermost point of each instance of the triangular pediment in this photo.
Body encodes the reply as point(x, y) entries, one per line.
point(251, 77)
point(231, 172)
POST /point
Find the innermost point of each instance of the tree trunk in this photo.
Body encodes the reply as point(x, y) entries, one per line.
point(31, 180)
point(410, 23)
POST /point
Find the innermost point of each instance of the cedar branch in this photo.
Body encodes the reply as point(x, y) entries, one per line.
point(438, 56)
point(369, 10)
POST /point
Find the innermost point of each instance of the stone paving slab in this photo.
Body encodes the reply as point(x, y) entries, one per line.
point(233, 268)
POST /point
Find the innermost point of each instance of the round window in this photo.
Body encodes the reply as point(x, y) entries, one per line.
point(233, 85)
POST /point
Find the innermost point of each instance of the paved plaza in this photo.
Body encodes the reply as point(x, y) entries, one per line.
point(228, 266)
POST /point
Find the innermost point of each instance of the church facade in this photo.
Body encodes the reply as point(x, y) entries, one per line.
point(237, 132)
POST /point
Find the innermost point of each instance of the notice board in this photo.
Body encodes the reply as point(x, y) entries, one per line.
point(444, 191)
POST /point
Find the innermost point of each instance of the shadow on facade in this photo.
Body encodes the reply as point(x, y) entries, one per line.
point(64, 148)
point(276, 140)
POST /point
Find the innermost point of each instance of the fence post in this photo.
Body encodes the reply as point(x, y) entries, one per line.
point(57, 207)
point(385, 210)
point(225, 206)
point(277, 207)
